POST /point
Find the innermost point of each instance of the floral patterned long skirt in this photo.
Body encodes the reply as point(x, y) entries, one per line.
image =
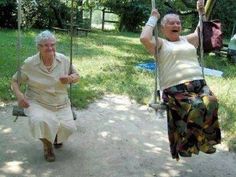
point(192, 119)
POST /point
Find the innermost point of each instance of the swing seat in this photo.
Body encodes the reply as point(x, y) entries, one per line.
point(73, 112)
point(18, 111)
point(158, 106)
point(160, 109)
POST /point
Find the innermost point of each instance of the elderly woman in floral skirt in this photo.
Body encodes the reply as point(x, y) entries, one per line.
point(192, 107)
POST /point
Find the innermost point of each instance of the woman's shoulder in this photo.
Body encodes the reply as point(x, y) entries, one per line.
point(32, 59)
point(183, 38)
point(61, 56)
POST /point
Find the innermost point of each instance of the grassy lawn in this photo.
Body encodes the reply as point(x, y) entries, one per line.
point(106, 62)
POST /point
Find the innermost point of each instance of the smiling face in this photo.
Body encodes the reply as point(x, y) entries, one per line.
point(171, 27)
point(47, 48)
point(46, 44)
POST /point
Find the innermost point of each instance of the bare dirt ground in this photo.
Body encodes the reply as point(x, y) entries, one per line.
point(116, 138)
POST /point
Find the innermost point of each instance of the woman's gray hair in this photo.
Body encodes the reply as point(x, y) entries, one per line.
point(166, 18)
point(44, 35)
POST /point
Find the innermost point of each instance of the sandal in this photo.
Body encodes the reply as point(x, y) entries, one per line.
point(211, 150)
point(48, 151)
point(49, 154)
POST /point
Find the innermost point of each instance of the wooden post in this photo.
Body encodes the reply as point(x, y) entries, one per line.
point(234, 29)
point(103, 18)
point(90, 18)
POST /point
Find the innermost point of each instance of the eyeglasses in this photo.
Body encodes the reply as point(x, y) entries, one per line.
point(177, 22)
point(52, 45)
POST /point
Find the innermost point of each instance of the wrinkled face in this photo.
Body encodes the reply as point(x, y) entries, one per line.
point(172, 27)
point(47, 48)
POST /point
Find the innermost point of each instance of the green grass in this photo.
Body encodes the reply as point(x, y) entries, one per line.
point(106, 62)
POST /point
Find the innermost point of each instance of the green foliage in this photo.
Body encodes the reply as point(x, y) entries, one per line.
point(225, 89)
point(83, 94)
point(8, 14)
point(131, 13)
point(38, 13)
point(232, 144)
point(57, 13)
point(226, 12)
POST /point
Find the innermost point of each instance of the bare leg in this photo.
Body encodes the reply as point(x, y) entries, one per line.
point(48, 150)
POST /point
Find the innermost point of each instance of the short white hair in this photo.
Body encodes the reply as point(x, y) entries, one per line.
point(166, 18)
point(44, 35)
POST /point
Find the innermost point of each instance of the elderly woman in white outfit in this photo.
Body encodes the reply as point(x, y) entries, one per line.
point(46, 101)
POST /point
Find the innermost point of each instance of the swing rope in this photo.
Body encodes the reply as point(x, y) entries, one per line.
point(18, 46)
point(71, 54)
point(158, 106)
point(157, 72)
point(71, 40)
point(18, 111)
point(201, 52)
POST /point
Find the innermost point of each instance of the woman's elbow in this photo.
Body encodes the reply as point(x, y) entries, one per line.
point(143, 39)
point(147, 45)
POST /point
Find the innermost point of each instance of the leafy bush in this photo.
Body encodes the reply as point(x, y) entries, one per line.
point(8, 13)
point(225, 11)
point(132, 13)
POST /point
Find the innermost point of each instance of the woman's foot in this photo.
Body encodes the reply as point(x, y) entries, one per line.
point(48, 151)
point(56, 144)
point(208, 148)
point(211, 150)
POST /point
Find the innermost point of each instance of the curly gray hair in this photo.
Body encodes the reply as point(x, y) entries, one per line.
point(44, 35)
point(166, 18)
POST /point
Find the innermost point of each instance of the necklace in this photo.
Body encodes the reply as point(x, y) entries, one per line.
point(49, 66)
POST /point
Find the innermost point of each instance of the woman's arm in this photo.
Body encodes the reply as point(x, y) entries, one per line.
point(74, 78)
point(146, 36)
point(70, 78)
point(22, 101)
point(193, 37)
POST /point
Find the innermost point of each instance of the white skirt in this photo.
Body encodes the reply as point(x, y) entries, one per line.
point(45, 123)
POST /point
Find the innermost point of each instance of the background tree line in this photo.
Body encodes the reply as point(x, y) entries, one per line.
point(132, 13)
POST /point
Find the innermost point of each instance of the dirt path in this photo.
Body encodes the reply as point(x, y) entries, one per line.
point(116, 138)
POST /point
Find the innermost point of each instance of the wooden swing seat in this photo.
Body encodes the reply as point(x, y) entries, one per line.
point(18, 111)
